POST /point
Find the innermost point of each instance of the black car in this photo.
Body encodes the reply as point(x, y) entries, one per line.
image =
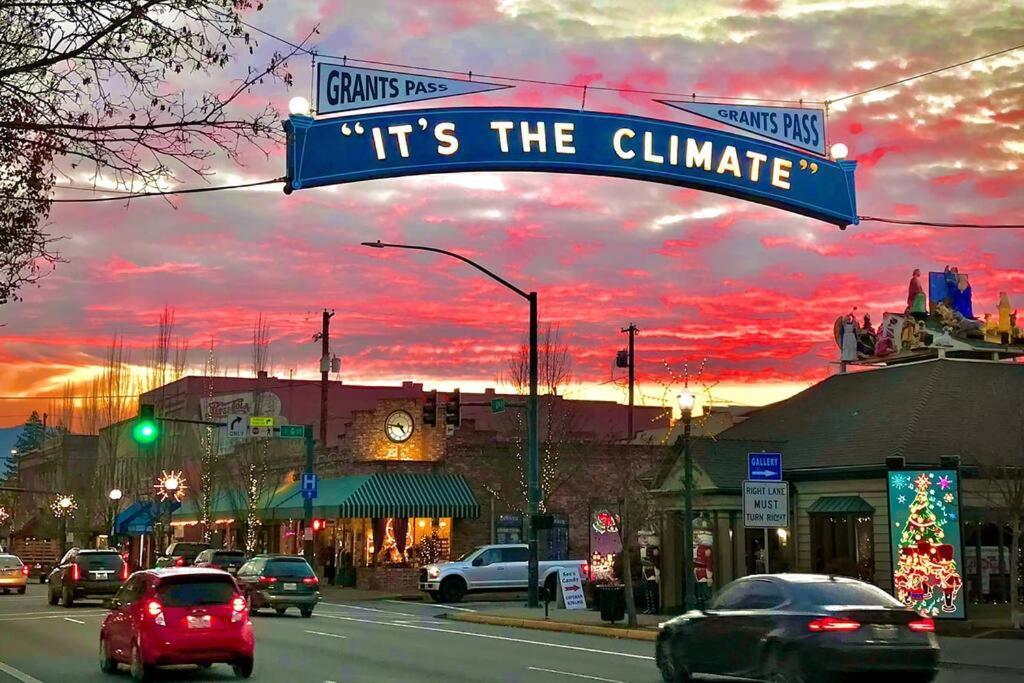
point(86, 574)
point(228, 560)
point(798, 628)
point(181, 554)
point(280, 582)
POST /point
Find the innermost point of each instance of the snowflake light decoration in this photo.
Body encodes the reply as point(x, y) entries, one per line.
point(64, 506)
point(675, 384)
point(171, 485)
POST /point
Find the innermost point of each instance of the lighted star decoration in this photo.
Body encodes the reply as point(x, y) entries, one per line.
point(171, 485)
point(944, 482)
point(948, 497)
point(64, 505)
point(673, 384)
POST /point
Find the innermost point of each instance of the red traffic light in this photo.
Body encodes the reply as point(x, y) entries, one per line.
point(319, 524)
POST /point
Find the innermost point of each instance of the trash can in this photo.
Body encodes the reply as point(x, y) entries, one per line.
point(613, 602)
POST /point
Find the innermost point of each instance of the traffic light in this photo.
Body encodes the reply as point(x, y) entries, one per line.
point(146, 429)
point(453, 409)
point(430, 409)
point(319, 524)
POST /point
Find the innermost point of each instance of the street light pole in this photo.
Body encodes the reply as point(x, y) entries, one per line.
point(686, 401)
point(533, 464)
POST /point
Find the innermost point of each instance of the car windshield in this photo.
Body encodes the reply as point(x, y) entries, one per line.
point(186, 549)
point(191, 591)
point(288, 568)
point(465, 556)
point(9, 562)
point(846, 593)
point(229, 556)
point(99, 561)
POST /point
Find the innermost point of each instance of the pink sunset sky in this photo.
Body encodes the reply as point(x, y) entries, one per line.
point(752, 289)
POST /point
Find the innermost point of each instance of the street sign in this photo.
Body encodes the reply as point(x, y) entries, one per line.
point(766, 504)
point(257, 421)
point(798, 126)
point(572, 588)
point(292, 431)
point(497, 405)
point(764, 466)
point(237, 426)
point(308, 485)
point(261, 432)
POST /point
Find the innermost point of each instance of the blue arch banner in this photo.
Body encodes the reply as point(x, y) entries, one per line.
point(414, 142)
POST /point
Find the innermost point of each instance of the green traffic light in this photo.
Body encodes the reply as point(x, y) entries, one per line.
point(145, 432)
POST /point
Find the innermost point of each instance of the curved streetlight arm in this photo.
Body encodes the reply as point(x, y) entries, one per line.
point(381, 245)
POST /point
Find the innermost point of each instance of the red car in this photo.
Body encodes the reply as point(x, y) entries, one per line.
point(165, 617)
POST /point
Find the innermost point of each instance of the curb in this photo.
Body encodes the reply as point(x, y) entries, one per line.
point(564, 627)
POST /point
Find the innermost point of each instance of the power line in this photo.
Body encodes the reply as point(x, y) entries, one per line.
point(122, 197)
point(531, 81)
point(926, 73)
point(936, 224)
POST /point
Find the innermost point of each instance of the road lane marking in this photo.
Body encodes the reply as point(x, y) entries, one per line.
point(369, 609)
point(50, 616)
point(457, 609)
point(569, 673)
point(329, 635)
point(74, 621)
point(491, 637)
point(18, 675)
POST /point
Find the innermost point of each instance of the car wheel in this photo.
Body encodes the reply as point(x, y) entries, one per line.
point(280, 610)
point(306, 612)
point(21, 591)
point(783, 667)
point(51, 597)
point(6, 592)
point(107, 663)
point(453, 589)
point(434, 595)
point(670, 670)
point(140, 671)
point(42, 579)
point(67, 597)
point(243, 668)
point(551, 587)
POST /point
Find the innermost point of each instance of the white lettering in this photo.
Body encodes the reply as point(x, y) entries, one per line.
point(378, 144)
point(649, 154)
point(673, 150)
point(617, 143)
point(563, 138)
point(730, 162)
point(503, 127)
point(698, 157)
point(780, 172)
point(756, 159)
point(401, 134)
point(448, 144)
point(530, 137)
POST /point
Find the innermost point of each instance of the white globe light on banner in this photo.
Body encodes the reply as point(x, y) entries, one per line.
point(839, 151)
point(298, 106)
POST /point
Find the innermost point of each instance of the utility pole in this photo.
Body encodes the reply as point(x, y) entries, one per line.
point(307, 503)
point(324, 337)
point(631, 330)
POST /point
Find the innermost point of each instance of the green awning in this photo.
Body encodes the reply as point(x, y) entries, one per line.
point(331, 493)
point(390, 494)
point(231, 504)
point(840, 505)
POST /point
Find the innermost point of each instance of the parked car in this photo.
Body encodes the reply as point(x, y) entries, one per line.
point(163, 617)
point(491, 568)
point(280, 582)
point(86, 574)
point(228, 560)
point(181, 554)
point(799, 627)
point(13, 574)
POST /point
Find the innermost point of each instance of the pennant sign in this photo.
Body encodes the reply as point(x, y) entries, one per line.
point(803, 128)
point(345, 88)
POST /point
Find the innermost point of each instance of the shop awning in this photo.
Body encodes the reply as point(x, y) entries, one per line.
point(331, 493)
point(389, 494)
point(840, 505)
point(138, 518)
point(230, 504)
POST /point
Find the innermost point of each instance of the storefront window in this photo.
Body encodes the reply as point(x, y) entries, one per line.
point(843, 545)
point(408, 541)
point(508, 529)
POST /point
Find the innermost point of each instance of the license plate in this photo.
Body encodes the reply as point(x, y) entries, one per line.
point(199, 622)
point(291, 586)
point(884, 632)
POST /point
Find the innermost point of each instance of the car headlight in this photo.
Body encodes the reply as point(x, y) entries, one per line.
point(433, 572)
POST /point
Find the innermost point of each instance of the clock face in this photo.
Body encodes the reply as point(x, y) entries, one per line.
point(398, 426)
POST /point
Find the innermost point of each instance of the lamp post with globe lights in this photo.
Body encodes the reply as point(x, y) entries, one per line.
point(63, 508)
point(114, 496)
point(686, 401)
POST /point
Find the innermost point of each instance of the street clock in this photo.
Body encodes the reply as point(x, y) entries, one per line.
point(398, 426)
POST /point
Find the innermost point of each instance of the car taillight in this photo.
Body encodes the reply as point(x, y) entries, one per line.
point(833, 624)
point(76, 572)
point(24, 569)
point(179, 562)
point(267, 580)
point(156, 610)
point(922, 625)
point(238, 609)
point(124, 571)
point(311, 581)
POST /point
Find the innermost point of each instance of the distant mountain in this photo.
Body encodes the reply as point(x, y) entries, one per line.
point(8, 437)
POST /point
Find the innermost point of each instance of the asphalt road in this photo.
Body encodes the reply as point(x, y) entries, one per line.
point(378, 642)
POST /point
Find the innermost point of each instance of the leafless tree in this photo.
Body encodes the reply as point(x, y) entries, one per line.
point(260, 346)
point(209, 450)
point(87, 85)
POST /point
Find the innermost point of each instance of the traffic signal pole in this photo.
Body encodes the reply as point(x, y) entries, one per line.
point(307, 503)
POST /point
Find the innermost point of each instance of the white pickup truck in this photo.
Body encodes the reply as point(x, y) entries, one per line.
point(490, 568)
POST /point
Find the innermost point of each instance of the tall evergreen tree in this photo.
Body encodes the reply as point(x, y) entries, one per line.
point(31, 438)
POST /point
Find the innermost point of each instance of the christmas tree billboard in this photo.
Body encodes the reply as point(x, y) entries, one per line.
point(926, 552)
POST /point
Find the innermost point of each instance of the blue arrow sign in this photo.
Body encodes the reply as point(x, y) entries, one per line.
point(764, 466)
point(346, 88)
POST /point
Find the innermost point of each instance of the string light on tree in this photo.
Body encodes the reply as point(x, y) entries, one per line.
point(171, 486)
point(4, 515)
point(64, 506)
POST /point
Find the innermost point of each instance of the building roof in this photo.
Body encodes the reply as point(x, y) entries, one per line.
point(919, 411)
point(723, 461)
point(840, 505)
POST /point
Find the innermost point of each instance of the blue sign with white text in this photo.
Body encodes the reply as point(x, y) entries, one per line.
point(344, 88)
point(764, 466)
point(308, 484)
point(414, 142)
point(797, 126)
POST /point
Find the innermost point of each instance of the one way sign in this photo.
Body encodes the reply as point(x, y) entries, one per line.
point(764, 466)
